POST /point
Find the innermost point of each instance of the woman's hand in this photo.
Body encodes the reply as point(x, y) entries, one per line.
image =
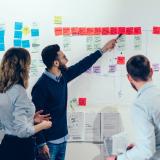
point(38, 117)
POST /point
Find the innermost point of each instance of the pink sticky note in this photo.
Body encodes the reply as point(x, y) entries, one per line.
point(121, 30)
point(82, 31)
point(129, 30)
point(75, 30)
point(105, 31)
point(137, 30)
point(97, 31)
point(82, 101)
point(156, 30)
point(58, 31)
point(113, 30)
point(90, 31)
point(120, 60)
point(66, 30)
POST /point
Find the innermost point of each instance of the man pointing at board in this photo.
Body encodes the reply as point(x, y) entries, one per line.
point(50, 94)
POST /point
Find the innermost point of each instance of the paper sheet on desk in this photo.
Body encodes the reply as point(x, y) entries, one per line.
point(116, 144)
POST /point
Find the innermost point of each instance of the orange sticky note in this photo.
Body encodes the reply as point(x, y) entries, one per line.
point(75, 30)
point(121, 30)
point(82, 31)
point(120, 60)
point(97, 31)
point(66, 30)
point(129, 30)
point(137, 30)
point(105, 31)
point(90, 31)
point(113, 30)
point(58, 31)
point(82, 101)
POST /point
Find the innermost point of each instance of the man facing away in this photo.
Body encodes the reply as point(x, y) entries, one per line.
point(50, 94)
point(145, 111)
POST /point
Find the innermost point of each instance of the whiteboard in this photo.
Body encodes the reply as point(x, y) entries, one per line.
point(100, 89)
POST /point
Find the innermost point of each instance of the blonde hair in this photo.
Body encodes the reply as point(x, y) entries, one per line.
point(14, 68)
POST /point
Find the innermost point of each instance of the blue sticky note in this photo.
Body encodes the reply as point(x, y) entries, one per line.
point(1, 39)
point(2, 48)
point(18, 25)
point(17, 43)
point(25, 44)
point(34, 32)
point(18, 34)
point(1, 33)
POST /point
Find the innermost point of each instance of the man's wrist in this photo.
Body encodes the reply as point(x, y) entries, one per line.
point(102, 51)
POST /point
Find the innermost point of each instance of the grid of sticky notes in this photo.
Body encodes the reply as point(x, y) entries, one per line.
point(21, 31)
point(82, 31)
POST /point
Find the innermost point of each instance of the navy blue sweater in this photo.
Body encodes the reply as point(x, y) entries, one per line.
point(51, 96)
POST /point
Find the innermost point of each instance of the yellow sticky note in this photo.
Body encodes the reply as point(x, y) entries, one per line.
point(58, 20)
point(26, 30)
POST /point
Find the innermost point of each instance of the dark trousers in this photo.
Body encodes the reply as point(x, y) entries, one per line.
point(14, 148)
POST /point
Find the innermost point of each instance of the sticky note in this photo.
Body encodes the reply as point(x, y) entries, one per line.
point(1, 39)
point(97, 31)
point(34, 32)
point(26, 30)
point(121, 30)
point(96, 69)
point(2, 47)
point(82, 31)
point(90, 31)
point(137, 30)
point(58, 31)
point(112, 68)
point(120, 60)
point(58, 20)
point(156, 67)
point(105, 31)
point(129, 30)
point(17, 43)
point(66, 30)
point(18, 34)
point(74, 30)
point(82, 101)
point(113, 30)
point(156, 30)
point(2, 33)
point(18, 25)
point(25, 44)
point(89, 70)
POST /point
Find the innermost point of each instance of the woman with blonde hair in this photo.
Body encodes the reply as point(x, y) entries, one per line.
point(17, 112)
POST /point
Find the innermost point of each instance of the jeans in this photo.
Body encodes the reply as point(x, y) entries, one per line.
point(57, 151)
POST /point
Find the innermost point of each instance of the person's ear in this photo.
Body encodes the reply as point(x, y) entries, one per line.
point(151, 72)
point(56, 63)
point(129, 78)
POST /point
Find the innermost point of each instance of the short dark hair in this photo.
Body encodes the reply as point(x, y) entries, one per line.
point(139, 67)
point(49, 55)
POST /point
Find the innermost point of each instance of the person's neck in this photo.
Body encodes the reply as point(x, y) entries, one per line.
point(140, 84)
point(55, 71)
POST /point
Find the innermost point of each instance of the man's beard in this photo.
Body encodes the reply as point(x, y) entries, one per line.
point(62, 67)
point(134, 87)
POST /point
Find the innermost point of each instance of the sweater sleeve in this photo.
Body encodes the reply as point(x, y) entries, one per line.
point(80, 67)
point(38, 98)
